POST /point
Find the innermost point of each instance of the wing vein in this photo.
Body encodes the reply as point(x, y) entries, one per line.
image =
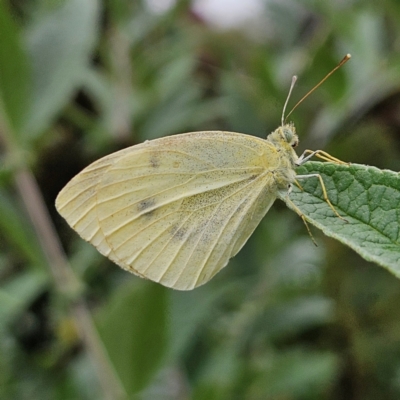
point(243, 212)
point(166, 202)
point(241, 144)
point(208, 171)
point(202, 233)
point(69, 200)
point(165, 245)
point(82, 215)
point(143, 229)
point(164, 151)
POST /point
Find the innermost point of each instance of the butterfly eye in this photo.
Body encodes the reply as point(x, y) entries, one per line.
point(287, 134)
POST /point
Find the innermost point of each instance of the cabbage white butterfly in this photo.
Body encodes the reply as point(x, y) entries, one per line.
point(176, 209)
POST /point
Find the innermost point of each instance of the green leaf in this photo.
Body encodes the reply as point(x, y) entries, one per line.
point(60, 46)
point(14, 69)
point(188, 311)
point(16, 294)
point(134, 331)
point(18, 232)
point(368, 198)
point(298, 371)
point(293, 317)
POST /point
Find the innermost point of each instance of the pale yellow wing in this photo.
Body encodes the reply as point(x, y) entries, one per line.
point(175, 209)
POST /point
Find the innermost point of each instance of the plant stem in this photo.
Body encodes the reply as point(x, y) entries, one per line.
point(66, 282)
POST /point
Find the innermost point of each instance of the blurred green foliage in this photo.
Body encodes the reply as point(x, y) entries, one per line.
point(285, 320)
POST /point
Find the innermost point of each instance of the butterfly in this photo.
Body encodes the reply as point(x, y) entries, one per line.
point(175, 209)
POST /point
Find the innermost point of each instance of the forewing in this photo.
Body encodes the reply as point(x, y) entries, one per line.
point(175, 209)
point(77, 203)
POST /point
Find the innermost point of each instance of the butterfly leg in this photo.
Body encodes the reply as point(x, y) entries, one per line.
point(307, 154)
point(301, 215)
point(298, 185)
point(324, 193)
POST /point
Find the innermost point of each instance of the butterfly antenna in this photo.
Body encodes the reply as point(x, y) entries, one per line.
point(294, 79)
point(344, 60)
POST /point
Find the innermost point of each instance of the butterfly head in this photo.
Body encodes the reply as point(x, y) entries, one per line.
point(285, 136)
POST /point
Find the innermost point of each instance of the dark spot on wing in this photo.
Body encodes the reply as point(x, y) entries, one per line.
point(145, 205)
point(149, 213)
point(154, 161)
point(179, 233)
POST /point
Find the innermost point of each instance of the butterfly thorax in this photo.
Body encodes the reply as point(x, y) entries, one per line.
point(285, 139)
